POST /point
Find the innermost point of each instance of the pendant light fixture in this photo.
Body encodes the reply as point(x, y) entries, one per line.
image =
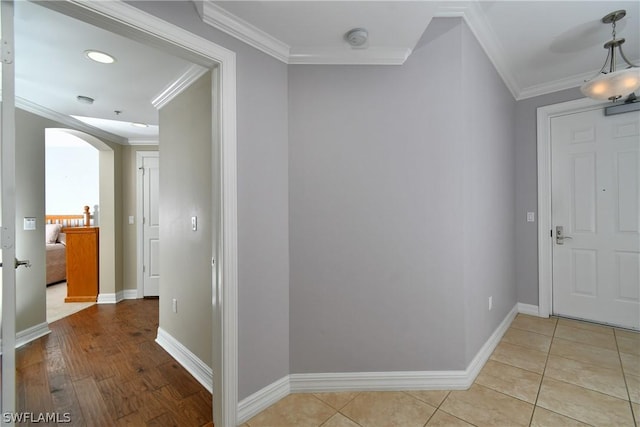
point(610, 84)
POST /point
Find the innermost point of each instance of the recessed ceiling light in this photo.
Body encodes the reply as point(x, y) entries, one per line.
point(85, 99)
point(140, 125)
point(101, 57)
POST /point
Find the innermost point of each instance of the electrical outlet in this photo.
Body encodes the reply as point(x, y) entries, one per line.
point(174, 305)
point(194, 223)
point(531, 216)
point(490, 303)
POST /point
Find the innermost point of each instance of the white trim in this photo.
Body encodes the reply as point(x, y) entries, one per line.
point(47, 113)
point(379, 381)
point(490, 43)
point(193, 73)
point(472, 14)
point(110, 298)
point(229, 23)
point(263, 398)
point(130, 294)
point(555, 86)
point(143, 141)
point(545, 223)
point(196, 367)
point(226, 303)
point(114, 298)
point(531, 310)
point(348, 56)
point(33, 333)
point(140, 156)
point(27, 335)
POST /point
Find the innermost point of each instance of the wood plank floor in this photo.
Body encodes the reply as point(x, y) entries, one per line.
point(103, 368)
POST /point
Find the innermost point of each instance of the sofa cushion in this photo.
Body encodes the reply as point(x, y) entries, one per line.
point(51, 232)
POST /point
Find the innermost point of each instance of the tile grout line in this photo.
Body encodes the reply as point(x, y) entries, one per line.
point(544, 369)
point(624, 378)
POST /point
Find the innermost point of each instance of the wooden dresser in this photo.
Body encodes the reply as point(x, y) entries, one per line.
point(82, 263)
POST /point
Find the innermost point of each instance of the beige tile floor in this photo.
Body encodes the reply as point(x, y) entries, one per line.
point(544, 372)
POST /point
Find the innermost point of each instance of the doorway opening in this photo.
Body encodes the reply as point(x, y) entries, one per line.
point(127, 20)
point(72, 173)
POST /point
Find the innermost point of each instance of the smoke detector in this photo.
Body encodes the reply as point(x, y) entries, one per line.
point(357, 37)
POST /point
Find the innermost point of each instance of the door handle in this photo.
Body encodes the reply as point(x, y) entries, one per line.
point(17, 263)
point(560, 237)
point(25, 262)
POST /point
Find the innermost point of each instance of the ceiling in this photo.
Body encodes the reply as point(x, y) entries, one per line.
point(536, 46)
point(52, 70)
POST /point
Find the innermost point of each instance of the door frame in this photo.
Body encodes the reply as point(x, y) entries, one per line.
point(545, 223)
point(127, 20)
point(140, 155)
point(8, 232)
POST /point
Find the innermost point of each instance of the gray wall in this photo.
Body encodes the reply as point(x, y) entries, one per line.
point(527, 190)
point(390, 209)
point(185, 255)
point(30, 282)
point(489, 195)
point(263, 236)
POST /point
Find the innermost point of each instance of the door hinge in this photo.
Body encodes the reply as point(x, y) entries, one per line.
point(144, 268)
point(7, 52)
point(144, 220)
point(551, 233)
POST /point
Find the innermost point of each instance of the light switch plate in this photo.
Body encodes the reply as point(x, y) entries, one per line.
point(531, 216)
point(131, 219)
point(29, 224)
point(194, 223)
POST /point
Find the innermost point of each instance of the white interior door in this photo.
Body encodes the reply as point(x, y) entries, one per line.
point(595, 188)
point(8, 216)
point(151, 223)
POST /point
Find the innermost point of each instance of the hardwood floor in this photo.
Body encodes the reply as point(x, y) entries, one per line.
point(102, 367)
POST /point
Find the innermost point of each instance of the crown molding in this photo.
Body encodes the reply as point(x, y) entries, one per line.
point(349, 56)
point(487, 39)
point(471, 13)
point(560, 84)
point(193, 73)
point(143, 141)
point(229, 23)
point(237, 27)
point(555, 86)
point(76, 124)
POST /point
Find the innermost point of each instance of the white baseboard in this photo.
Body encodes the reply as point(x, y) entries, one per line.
point(196, 367)
point(117, 297)
point(379, 381)
point(130, 294)
point(32, 333)
point(27, 335)
point(485, 351)
point(529, 309)
point(107, 298)
point(262, 399)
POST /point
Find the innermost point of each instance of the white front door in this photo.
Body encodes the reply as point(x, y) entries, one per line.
point(595, 185)
point(151, 223)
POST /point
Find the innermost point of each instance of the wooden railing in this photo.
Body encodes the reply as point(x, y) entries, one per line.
point(83, 220)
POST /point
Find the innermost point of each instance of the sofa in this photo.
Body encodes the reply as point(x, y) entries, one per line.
point(56, 254)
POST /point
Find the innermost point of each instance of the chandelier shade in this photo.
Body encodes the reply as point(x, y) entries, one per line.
point(611, 84)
